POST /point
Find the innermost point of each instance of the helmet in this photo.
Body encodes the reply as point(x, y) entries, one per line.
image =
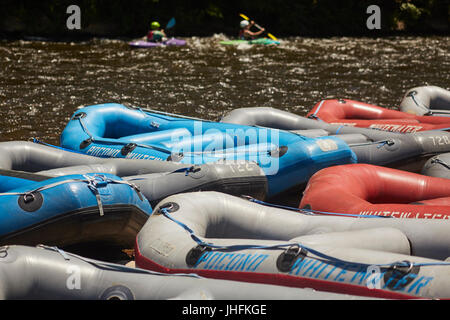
point(244, 23)
point(155, 25)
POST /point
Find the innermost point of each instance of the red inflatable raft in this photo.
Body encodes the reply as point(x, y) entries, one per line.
point(359, 114)
point(363, 189)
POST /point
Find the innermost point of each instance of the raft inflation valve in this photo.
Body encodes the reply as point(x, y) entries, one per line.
point(128, 148)
point(117, 293)
point(400, 274)
point(30, 202)
point(194, 254)
point(287, 259)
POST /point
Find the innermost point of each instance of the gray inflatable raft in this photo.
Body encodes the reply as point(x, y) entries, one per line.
point(155, 179)
point(221, 236)
point(407, 151)
point(426, 101)
point(438, 166)
point(49, 273)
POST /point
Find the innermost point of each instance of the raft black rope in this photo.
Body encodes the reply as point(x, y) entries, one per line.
point(442, 163)
point(115, 267)
point(311, 211)
point(418, 103)
point(91, 137)
point(202, 243)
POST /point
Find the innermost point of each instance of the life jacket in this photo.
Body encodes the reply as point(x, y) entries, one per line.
point(244, 36)
point(155, 36)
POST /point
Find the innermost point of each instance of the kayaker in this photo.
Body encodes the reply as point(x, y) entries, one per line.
point(245, 33)
point(156, 34)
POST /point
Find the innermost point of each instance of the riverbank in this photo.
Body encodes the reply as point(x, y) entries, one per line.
point(119, 18)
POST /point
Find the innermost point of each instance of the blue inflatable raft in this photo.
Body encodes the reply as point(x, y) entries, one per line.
point(70, 210)
point(287, 159)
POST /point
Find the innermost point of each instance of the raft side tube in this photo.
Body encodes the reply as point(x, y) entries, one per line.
point(257, 247)
point(68, 276)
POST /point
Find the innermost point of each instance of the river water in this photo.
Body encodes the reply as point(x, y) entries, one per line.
point(43, 83)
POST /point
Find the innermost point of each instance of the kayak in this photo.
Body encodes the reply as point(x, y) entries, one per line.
point(264, 41)
point(147, 44)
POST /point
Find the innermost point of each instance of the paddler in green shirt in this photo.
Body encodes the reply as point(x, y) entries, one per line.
point(156, 34)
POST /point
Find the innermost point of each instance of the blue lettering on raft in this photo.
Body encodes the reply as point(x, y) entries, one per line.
point(214, 260)
point(359, 276)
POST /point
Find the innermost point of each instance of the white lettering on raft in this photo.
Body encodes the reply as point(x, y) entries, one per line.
point(396, 127)
point(441, 141)
point(112, 153)
point(102, 152)
point(344, 124)
point(340, 272)
point(398, 214)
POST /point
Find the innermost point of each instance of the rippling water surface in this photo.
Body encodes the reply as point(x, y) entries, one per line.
point(43, 83)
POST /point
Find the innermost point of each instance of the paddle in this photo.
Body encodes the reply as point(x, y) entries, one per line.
point(171, 23)
point(271, 36)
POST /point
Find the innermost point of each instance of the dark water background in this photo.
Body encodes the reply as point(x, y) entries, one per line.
point(43, 83)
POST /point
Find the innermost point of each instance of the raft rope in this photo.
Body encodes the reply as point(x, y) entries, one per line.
point(91, 137)
point(311, 211)
point(167, 150)
point(93, 183)
point(418, 103)
point(180, 117)
point(112, 266)
point(380, 143)
point(442, 163)
point(37, 141)
point(314, 115)
point(424, 107)
point(203, 243)
point(338, 129)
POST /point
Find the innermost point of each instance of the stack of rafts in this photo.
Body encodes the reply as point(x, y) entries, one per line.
point(221, 203)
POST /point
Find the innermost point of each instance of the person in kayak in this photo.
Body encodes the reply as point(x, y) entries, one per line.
point(245, 33)
point(156, 34)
